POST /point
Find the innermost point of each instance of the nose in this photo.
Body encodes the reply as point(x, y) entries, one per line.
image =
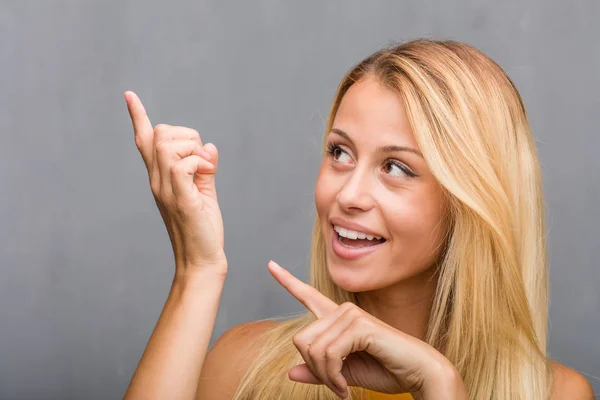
point(357, 192)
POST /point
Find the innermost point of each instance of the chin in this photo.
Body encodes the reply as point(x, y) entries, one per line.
point(349, 279)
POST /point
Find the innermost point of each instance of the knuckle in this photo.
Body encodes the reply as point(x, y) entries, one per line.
point(302, 337)
point(313, 351)
point(297, 340)
point(185, 133)
point(176, 168)
point(356, 313)
point(330, 353)
point(195, 135)
point(163, 146)
point(155, 190)
point(161, 128)
point(347, 306)
point(155, 186)
point(362, 323)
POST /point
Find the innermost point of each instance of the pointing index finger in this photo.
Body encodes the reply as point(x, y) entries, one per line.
point(137, 112)
point(313, 300)
point(142, 127)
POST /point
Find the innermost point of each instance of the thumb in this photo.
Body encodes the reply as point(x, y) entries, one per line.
point(302, 373)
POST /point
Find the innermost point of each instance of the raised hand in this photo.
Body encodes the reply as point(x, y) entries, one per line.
point(182, 171)
point(346, 346)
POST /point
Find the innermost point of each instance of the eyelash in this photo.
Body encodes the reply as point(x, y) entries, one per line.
point(332, 147)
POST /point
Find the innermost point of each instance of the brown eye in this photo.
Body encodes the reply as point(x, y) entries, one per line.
point(397, 169)
point(336, 151)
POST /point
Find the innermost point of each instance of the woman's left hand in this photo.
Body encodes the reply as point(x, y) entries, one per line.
point(346, 346)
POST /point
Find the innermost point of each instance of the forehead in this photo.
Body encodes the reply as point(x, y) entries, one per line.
point(372, 113)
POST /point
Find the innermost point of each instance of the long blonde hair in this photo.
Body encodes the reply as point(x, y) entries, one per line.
point(489, 315)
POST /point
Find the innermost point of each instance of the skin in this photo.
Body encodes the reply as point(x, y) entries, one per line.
point(397, 282)
point(346, 345)
point(378, 345)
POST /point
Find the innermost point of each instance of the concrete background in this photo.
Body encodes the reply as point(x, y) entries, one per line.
point(85, 260)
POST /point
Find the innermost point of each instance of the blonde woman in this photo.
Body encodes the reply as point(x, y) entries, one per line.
point(428, 276)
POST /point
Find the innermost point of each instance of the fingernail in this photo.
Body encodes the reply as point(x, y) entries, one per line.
point(273, 263)
point(339, 388)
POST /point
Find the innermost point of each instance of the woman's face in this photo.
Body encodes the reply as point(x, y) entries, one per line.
point(375, 182)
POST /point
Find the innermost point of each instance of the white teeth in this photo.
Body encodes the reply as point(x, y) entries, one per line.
point(347, 233)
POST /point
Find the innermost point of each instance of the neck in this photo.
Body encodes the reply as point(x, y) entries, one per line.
point(405, 305)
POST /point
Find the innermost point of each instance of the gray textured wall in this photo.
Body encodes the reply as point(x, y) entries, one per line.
point(85, 260)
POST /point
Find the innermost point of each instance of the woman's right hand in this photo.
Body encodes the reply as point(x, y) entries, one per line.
point(182, 179)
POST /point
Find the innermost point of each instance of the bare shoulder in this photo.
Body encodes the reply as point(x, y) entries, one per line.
point(570, 384)
point(229, 358)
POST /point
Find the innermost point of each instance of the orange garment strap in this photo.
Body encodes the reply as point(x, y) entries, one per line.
point(385, 396)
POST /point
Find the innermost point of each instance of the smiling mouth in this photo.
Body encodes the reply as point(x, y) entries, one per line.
point(358, 243)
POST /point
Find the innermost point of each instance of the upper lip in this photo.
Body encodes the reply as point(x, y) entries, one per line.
point(353, 226)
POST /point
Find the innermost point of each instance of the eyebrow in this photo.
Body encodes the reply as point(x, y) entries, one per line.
point(383, 149)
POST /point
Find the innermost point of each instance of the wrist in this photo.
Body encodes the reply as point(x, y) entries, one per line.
point(442, 380)
point(194, 277)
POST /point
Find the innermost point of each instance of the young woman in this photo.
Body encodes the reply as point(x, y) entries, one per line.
point(428, 277)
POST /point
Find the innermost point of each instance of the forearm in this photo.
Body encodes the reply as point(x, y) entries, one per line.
point(171, 364)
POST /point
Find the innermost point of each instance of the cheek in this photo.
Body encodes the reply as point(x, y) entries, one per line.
point(418, 227)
